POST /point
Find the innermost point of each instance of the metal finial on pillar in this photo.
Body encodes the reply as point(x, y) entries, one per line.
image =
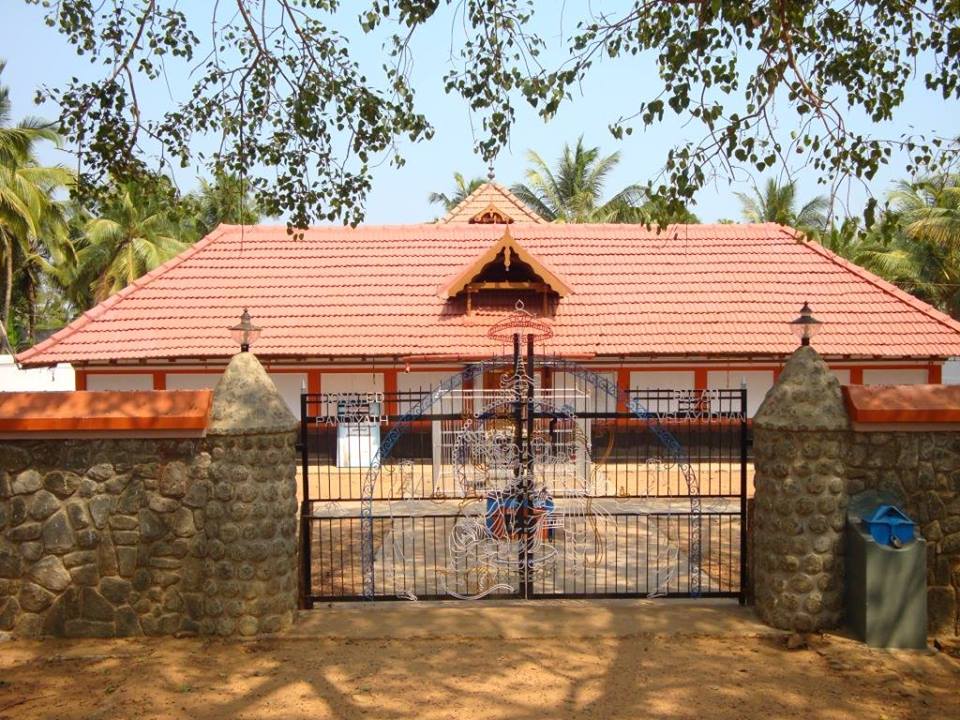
point(490, 173)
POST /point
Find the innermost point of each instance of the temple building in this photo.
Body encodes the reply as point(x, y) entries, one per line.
point(396, 307)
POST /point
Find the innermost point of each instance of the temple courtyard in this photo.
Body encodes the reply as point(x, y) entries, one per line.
point(560, 659)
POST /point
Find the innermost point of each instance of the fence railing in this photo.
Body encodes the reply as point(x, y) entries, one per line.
point(619, 456)
point(628, 555)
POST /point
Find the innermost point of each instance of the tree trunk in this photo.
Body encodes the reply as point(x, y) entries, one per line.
point(8, 286)
point(31, 311)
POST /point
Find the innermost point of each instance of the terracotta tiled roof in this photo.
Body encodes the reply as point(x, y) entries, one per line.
point(694, 290)
point(488, 195)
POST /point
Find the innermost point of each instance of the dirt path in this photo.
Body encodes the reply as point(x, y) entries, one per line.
point(641, 676)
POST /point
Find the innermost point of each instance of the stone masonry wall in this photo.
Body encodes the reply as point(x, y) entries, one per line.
point(800, 498)
point(94, 535)
point(121, 537)
point(922, 468)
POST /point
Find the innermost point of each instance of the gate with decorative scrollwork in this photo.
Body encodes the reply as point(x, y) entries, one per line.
point(523, 476)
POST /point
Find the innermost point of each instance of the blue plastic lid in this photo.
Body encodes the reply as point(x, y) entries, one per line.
point(889, 514)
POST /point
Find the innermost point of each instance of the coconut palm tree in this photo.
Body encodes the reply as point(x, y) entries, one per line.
point(922, 253)
point(133, 232)
point(573, 191)
point(778, 203)
point(461, 188)
point(32, 223)
point(225, 199)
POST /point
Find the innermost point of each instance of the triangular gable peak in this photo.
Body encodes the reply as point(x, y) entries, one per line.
point(506, 267)
point(491, 204)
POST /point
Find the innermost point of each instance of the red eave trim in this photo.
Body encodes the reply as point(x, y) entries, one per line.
point(85, 411)
point(902, 403)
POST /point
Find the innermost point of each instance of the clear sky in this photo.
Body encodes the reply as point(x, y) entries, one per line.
point(37, 55)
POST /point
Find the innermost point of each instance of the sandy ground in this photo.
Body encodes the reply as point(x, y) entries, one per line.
point(606, 676)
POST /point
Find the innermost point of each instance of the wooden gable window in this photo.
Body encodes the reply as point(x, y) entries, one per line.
point(504, 273)
point(491, 215)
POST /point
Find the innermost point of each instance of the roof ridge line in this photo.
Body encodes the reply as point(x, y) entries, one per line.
point(89, 316)
point(452, 212)
point(884, 285)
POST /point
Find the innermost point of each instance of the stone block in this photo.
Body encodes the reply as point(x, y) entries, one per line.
point(123, 522)
point(43, 505)
point(197, 494)
point(101, 472)
point(78, 515)
point(247, 626)
point(173, 480)
point(34, 598)
point(150, 625)
point(81, 557)
point(101, 508)
point(950, 544)
point(141, 579)
point(161, 504)
point(88, 539)
point(11, 563)
point(151, 526)
point(165, 563)
point(951, 525)
point(93, 606)
point(26, 532)
point(9, 611)
point(28, 481)
point(61, 483)
point(126, 561)
point(942, 610)
point(223, 491)
point(146, 470)
point(87, 489)
point(31, 551)
point(86, 575)
point(131, 500)
point(54, 620)
point(50, 573)
point(116, 484)
point(127, 623)
point(107, 556)
point(28, 625)
point(126, 537)
point(181, 523)
point(58, 537)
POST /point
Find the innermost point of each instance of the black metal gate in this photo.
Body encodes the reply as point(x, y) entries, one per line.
point(527, 478)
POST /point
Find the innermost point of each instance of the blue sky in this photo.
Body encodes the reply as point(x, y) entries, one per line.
point(37, 55)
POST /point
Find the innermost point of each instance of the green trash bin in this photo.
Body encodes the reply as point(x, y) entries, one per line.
point(885, 574)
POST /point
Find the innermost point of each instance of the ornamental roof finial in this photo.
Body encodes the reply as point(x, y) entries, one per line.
point(490, 174)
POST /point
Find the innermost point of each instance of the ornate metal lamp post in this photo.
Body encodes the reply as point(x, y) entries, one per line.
point(245, 332)
point(805, 326)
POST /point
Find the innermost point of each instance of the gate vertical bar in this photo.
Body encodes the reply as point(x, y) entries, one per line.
point(520, 507)
point(306, 581)
point(529, 516)
point(744, 564)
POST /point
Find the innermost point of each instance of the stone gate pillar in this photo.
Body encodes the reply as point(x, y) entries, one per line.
point(800, 497)
point(249, 568)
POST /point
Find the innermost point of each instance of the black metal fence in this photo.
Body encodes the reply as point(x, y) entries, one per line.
point(644, 554)
point(643, 505)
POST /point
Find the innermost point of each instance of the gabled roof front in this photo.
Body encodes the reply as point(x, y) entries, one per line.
point(489, 199)
point(508, 246)
point(372, 291)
